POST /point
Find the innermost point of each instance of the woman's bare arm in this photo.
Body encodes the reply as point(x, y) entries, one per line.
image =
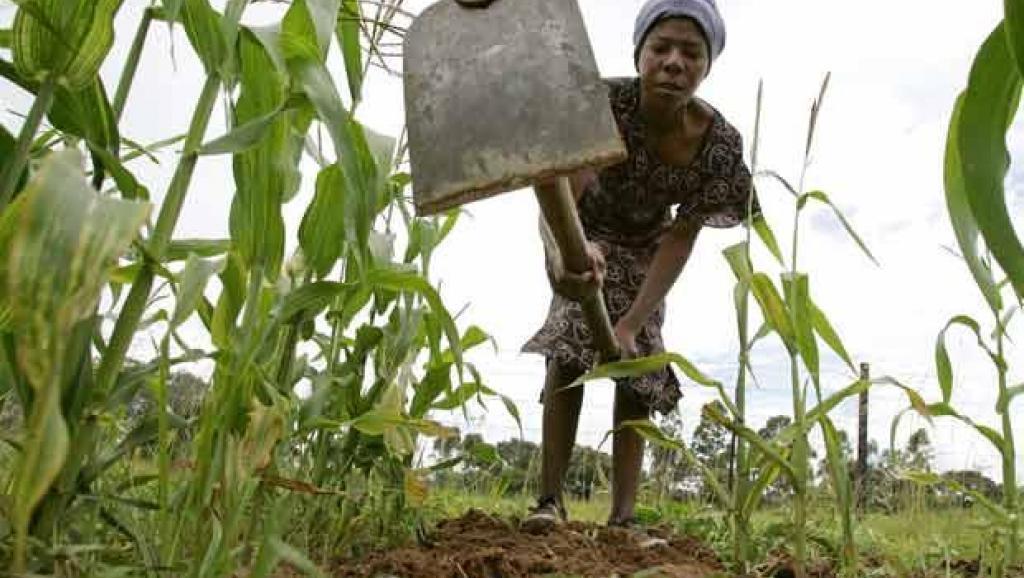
point(669, 259)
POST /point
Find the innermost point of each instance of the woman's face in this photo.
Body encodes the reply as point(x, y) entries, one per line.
point(673, 61)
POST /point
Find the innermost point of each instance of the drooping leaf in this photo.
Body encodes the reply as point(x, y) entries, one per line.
point(643, 365)
point(823, 198)
point(764, 232)
point(943, 366)
point(245, 136)
point(988, 108)
point(964, 224)
point(58, 244)
point(828, 334)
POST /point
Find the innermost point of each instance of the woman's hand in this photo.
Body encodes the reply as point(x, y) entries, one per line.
point(626, 337)
point(577, 286)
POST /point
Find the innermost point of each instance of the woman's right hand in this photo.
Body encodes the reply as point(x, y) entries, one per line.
point(577, 286)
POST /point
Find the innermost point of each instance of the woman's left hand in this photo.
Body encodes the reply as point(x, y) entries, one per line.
point(626, 339)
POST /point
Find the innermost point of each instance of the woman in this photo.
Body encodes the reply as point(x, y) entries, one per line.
point(682, 154)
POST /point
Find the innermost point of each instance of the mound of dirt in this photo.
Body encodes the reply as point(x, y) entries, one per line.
point(479, 545)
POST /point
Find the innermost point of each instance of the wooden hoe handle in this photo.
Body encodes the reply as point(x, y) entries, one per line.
point(559, 211)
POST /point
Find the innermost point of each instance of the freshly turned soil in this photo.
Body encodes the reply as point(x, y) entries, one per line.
point(479, 545)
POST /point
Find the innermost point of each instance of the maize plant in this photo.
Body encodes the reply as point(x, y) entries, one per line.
point(90, 266)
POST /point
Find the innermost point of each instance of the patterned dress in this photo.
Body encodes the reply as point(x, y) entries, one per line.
point(625, 211)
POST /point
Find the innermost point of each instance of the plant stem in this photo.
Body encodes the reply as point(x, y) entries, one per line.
point(800, 471)
point(13, 170)
point(1009, 457)
point(135, 303)
point(131, 65)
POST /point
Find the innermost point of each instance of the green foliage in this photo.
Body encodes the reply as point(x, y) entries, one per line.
point(215, 485)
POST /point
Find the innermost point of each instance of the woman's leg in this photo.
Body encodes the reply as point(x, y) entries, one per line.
point(627, 454)
point(561, 417)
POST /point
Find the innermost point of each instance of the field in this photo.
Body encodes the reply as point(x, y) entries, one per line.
point(270, 403)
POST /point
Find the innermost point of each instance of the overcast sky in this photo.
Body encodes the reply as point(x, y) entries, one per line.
point(896, 70)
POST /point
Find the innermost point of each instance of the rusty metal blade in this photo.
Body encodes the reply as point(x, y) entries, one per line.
point(499, 97)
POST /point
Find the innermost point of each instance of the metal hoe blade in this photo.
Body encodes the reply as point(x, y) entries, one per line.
point(497, 98)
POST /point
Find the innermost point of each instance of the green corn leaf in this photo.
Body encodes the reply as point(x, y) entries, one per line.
point(459, 397)
point(267, 173)
point(229, 304)
point(310, 299)
point(436, 381)
point(245, 136)
point(66, 39)
point(322, 231)
point(781, 180)
point(740, 293)
point(131, 189)
point(58, 244)
point(86, 112)
point(943, 366)
point(6, 38)
point(829, 403)
point(194, 278)
point(652, 433)
point(828, 334)
point(823, 198)
point(306, 29)
point(148, 151)
point(407, 281)
point(762, 332)
point(944, 409)
point(988, 108)
point(44, 450)
point(7, 144)
point(764, 232)
point(773, 308)
point(61, 245)
point(203, 27)
point(348, 32)
point(643, 365)
point(181, 249)
point(738, 257)
point(964, 224)
point(798, 294)
point(757, 443)
point(1014, 26)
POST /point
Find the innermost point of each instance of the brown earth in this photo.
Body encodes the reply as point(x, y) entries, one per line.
point(479, 545)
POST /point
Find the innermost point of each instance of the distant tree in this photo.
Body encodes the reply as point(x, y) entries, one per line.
point(587, 469)
point(974, 481)
point(518, 459)
point(669, 466)
point(710, 445)
point(919, 451)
